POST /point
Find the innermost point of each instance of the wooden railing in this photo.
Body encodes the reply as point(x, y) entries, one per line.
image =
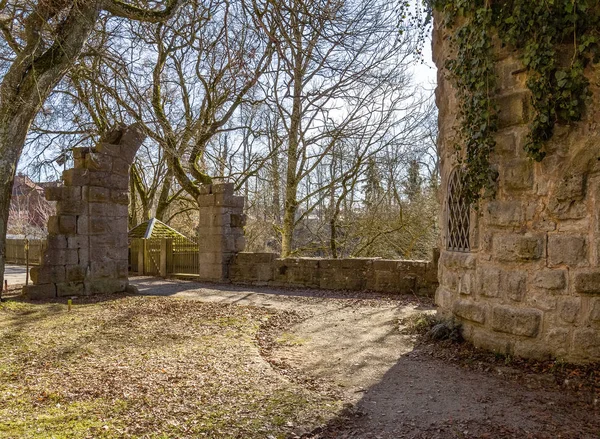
point(163, 257)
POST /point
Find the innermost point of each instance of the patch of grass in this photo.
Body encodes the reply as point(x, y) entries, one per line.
point(145, 367)
point(418, 323)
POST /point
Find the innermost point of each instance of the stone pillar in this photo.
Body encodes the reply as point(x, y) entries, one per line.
point(220, 230)
point(87, 250)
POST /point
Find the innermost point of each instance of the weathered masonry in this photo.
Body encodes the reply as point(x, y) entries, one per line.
point(87, 238)
point(522, 273)
point(221, 238)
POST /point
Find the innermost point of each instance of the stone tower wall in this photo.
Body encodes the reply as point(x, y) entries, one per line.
point(87, 250)
point(530, 286)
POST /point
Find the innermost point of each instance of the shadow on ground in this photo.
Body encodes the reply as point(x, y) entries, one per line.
point(422, 397)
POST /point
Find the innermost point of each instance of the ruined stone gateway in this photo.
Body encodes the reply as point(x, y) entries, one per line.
point(87, 249)
point(522, 273)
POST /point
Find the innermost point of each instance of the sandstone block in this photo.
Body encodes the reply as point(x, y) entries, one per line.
point(109, 180)
point(228, 200)
point(98, 162)
point(59, 193)
point(67, 224)
point(517, 321)
point(105, 286)
point(83, 225)
point(515, 284)
point(466, 285)
point(542, 299)
point(223, 188)
point(53, 226)
point(444, 299)
point(240, 244)
point(83, 255)
point(57, 241)
point(205, 189)
point(79, 153)
point(511, 75)
point(108, 210)
point(46, 274)
point(132, 139)
point(587, 282)
point(504, 213)
point(60, 257)
point(255, 258)
point(109, 149)
point(518, 174)
point(212, 272)
point(76, 177)
point(506, 144)
point(489, 281)
point(355, 263)
point(96, 194)
point(517, 248)
point(567, 250)
point(550, 279)
point(101, 269)
point(472, 311)
point(53, 193)
point(206, 201)
point(65, 289)
point(70, 207)
point(513, 109)
point(75, 273)
point(40, 292)
point(558, 340)
point(238, 220)
point(118, 196)
point(120, 167)
point(586, 343)
point(569, 309)
point(571, 188)
point(210, 258)
point(595, 313)
point(456, 260)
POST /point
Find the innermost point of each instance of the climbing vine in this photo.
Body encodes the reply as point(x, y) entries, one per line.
point(555, 39)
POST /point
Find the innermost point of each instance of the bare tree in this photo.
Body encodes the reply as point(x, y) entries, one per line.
point(40, 42)
point(334, 60)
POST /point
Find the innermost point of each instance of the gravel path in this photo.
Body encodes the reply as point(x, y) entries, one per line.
point(352, 341)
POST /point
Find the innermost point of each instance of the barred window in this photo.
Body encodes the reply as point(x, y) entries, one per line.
point(458, 215)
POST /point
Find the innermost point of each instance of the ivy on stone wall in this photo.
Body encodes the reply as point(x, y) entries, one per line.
point(555, 40)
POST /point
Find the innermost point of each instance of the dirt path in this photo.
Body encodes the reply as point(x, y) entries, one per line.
point(352, 342)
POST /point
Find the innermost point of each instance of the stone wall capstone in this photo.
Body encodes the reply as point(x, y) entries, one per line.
point(530, 286)
point(87, 251)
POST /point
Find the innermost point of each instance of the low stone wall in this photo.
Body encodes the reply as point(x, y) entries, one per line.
point(391, 276)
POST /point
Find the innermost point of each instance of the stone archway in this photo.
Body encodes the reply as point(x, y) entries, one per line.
point(87, 250)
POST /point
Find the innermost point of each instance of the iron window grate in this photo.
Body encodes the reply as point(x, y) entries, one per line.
point(459, 215)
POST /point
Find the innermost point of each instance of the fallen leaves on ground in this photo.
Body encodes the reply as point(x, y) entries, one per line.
point(148, 367)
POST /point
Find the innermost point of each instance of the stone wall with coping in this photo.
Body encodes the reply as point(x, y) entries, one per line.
point(391, 276)
point(530, 286)
point(87, 248)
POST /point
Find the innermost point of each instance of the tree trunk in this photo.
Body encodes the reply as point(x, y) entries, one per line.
point(291, 184)
point(289, 220)
point(27, 83)
point(164, 201)
point(12, 138)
